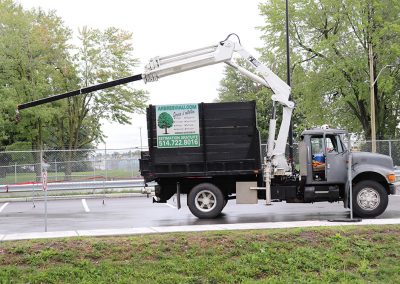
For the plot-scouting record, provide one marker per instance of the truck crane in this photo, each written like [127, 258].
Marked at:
[219, 156]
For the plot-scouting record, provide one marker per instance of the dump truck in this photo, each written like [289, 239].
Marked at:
[212, 151]
[225, 162]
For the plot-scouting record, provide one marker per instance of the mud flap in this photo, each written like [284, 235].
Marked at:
[178, 195]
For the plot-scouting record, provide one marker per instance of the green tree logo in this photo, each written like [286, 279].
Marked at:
[165, 121]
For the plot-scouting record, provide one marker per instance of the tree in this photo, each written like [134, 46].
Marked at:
[33, 54]
[165, 121]
[36, 61]
[102, 56]
[330, 53]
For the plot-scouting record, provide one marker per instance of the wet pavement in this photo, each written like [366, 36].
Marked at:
[136, 212]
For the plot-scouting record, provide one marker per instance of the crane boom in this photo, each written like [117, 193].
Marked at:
[81, 91]
[223, 52]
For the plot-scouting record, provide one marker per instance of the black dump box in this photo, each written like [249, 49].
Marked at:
[201, 140]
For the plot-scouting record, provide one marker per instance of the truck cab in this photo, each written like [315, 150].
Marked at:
[324, 171]
[323, 156]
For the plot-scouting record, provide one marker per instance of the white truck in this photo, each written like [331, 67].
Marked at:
[219, 157]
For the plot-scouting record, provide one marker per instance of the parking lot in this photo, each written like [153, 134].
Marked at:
[134, 212]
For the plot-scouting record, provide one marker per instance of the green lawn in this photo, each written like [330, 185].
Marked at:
[368, 254]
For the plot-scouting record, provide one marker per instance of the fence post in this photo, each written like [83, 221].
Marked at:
[390, 148]
[43, 180]
[132, 162]
[105, 168]
[94, 166]
[41, 164]
[55, 166]
[105, 161]
[15, 172]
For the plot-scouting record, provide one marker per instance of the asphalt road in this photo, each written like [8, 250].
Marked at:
[133, 212]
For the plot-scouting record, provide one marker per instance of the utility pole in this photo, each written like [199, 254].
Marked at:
[372, 90]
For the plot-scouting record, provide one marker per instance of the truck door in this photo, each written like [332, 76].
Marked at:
[335, 160]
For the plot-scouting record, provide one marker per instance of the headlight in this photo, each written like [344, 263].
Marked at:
[391, 178]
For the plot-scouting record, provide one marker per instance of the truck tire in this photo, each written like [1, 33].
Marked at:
[206, 201]
[370, 199]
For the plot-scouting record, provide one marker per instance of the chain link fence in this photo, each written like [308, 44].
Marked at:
[24, 167]
[386, 147]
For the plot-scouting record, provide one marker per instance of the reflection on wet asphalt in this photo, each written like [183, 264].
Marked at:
[23, 217]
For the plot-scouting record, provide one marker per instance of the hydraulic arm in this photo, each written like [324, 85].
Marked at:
[224, 51]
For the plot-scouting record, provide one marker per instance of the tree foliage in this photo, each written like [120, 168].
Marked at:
[33, 51]
[329, 42]
[329, 63]
[102, 56]
[37, 60]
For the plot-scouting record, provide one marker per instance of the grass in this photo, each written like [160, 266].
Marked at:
[312, 255]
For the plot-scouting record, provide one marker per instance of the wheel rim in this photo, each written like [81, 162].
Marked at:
[205, 201]
[368, 199]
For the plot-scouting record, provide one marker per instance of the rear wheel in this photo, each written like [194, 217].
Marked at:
[206, 201]
[370, 199]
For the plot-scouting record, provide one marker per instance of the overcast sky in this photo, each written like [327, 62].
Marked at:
[163, 28]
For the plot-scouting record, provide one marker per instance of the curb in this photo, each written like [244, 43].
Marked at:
[191, 228]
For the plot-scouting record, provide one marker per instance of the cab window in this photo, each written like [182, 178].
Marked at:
[333, 144]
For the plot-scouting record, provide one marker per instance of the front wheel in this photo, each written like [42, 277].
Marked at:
[206, 201]
[370, 199]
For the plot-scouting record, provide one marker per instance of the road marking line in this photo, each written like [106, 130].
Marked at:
[85, 205]
[4, 206]
[172, 206]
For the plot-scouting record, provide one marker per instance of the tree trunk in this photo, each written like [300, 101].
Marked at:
[37, 166]
[68, 165]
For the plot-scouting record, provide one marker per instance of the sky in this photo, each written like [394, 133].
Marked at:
[163, 28]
